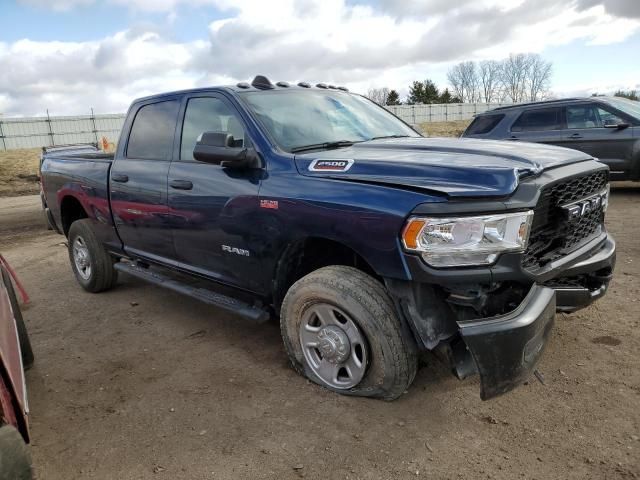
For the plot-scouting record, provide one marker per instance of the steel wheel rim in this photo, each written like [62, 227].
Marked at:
[334, 347]
[81, 258]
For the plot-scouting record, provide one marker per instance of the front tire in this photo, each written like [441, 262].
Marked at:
[91, 263]
[341, 330]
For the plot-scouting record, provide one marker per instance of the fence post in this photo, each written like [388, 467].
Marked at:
[95, 129]
[53, 142]
[4, 144]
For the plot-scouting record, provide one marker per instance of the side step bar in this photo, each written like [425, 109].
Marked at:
[229, 304]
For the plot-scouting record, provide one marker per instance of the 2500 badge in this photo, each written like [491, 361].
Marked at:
[320, 165]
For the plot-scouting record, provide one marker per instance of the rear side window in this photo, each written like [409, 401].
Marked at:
[152, 132]
[539, 119]
[483, 124]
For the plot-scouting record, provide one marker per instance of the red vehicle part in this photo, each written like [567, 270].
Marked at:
[12, 273]
[13, 398]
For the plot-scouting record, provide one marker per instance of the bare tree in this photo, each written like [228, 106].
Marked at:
[538, 77]
[489, 73]
[513, 76]
[464, 81]
[379, 95]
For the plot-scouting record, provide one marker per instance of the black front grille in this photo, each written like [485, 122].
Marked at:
[552, 236]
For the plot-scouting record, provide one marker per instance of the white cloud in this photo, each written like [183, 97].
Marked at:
[360, 46]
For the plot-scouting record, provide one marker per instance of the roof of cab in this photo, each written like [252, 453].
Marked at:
[259, 83]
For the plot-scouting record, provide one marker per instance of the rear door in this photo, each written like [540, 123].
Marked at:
[138, 181]
[586, 132]
[213, 208]
[540, 125]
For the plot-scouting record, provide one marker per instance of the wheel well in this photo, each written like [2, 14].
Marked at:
[305, 256]
[71, 210]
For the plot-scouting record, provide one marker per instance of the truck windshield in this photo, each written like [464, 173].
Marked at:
[301, 120]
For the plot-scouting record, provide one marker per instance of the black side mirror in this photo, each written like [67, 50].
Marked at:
[220, 148]
[614, 123]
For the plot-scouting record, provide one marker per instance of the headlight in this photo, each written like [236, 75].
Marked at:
[463, 241]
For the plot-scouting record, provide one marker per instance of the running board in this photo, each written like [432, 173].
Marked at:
[229, 304]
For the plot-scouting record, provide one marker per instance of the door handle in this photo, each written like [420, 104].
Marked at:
[513, 137]
[181, 184]
[119, 177]
[575, 135]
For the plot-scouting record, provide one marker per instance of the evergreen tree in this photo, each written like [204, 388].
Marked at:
[393, 98]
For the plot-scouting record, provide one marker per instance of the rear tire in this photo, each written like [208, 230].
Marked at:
[15, 459]
[23, 336]
[356, 325]
[92, 265]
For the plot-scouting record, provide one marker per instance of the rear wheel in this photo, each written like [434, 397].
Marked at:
[23, 336]
[341, 330]
[15, 460]
[91, 263]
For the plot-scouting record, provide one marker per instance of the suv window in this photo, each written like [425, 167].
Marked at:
[483, 124]
[539, 119]
[152, 132]
[208, 114]
[589, 116]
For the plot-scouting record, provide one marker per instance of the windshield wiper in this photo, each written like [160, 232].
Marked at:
[325, 145]
[389, 136]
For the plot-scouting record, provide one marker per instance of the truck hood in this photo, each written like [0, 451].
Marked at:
[455, 167]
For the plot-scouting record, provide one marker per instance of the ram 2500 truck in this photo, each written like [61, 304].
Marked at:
[370, 242]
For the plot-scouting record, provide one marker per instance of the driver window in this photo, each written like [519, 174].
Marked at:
[584, 116]
[608, 117]
[207, 114]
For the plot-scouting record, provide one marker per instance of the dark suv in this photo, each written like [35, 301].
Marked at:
[607, 128]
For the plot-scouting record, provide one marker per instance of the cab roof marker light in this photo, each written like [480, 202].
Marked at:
[263, 83]
[321, 85]
[304, 84]
[283, 84]
[243, 85]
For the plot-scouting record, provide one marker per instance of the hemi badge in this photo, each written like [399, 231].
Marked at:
[325, 165]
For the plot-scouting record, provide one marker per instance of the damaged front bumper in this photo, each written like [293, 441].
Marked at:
[506, 348]
[503, 349]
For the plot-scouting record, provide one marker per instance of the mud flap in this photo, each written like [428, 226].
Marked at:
[506, 349]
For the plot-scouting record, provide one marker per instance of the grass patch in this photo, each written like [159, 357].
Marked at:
[444, 129]
[19, 172]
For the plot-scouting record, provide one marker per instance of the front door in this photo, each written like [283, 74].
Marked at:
[138, 182]
[586, 132]
[213, 208]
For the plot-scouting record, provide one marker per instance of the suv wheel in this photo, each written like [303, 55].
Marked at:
[91, 263]
[341, 330]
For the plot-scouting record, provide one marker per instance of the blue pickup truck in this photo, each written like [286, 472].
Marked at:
[370, 243]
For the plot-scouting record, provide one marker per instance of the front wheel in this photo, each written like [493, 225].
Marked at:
[341, 330]
[91, 263]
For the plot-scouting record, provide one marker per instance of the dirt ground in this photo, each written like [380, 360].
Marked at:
[139, 383]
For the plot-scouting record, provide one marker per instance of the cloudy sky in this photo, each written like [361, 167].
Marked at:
[71, 55]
